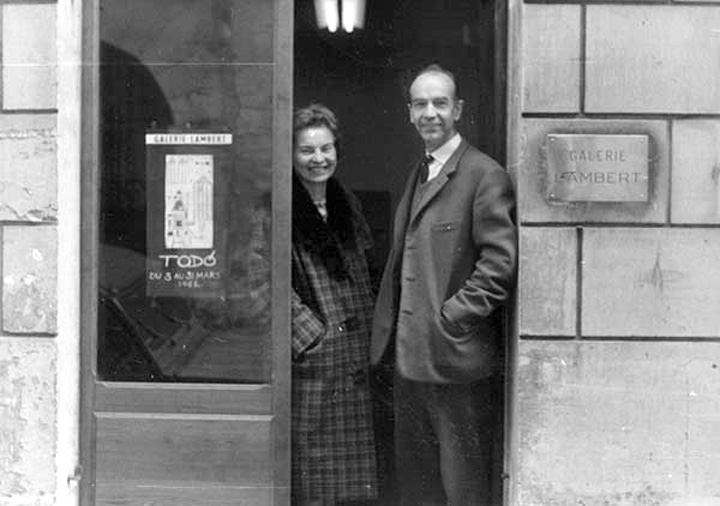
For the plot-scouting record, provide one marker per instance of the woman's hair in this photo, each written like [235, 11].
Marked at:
[316, 115]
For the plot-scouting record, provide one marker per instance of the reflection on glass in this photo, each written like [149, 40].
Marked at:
[183, 293]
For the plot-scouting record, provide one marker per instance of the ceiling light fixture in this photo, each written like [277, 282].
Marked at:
[345, 14]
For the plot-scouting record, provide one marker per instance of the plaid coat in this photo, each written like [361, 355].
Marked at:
[333, 450]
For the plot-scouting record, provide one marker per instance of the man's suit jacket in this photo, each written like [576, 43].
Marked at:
[454, 257]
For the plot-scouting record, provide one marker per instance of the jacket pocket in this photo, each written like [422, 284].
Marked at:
[445, 226]
[464, 356]
[454, 331]
[445, 241]
[304, 362]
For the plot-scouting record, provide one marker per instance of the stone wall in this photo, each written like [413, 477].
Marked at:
[618, 366]
[28, 234]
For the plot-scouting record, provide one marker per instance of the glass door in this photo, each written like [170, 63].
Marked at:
[186, 314]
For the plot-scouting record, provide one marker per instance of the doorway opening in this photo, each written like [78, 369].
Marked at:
[363, 76]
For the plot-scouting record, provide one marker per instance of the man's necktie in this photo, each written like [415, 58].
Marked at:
[424, 167]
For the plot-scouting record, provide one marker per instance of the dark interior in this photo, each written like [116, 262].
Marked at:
[363, 76]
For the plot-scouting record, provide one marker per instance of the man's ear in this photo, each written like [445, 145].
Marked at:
[458, 108]
[409, 106]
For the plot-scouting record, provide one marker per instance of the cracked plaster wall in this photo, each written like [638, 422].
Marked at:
[28, 237]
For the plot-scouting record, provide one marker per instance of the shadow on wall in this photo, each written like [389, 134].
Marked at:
[131, 102]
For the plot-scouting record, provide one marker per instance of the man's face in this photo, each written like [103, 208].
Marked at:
[434, 109]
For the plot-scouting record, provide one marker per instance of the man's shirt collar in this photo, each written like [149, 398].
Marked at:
[442, 155]
[444, 152]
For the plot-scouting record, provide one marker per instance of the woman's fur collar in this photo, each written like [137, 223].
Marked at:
[321, 237]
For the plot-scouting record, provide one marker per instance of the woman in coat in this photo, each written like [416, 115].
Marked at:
[333, 450]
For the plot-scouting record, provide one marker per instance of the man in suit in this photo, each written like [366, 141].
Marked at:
[438, 318]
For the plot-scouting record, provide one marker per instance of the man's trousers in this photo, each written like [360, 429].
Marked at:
[444, 436]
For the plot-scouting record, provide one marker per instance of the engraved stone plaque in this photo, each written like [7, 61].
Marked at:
[597, 168]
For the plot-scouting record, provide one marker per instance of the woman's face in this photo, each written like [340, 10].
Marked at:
[314, 157]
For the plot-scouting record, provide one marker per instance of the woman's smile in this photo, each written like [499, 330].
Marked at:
[315, 157]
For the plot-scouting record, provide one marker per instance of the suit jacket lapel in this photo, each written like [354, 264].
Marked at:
[402, 214]
[438, 182]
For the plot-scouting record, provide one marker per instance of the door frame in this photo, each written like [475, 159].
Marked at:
[508, 22]
[510, 30]
[279, 397]
[89, 241]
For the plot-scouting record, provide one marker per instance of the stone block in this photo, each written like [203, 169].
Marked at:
[28, 167]
[30, 280]
[620, 423]
[696, 171]
[551, 58]
[27, 418]
[29, 56]
[651, 282]
[548, 280]
[533, 204]
[652, 59]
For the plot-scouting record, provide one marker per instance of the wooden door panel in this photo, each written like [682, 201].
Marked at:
[181, 494]
[162, 448]
[184, 398]
[212, 427]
